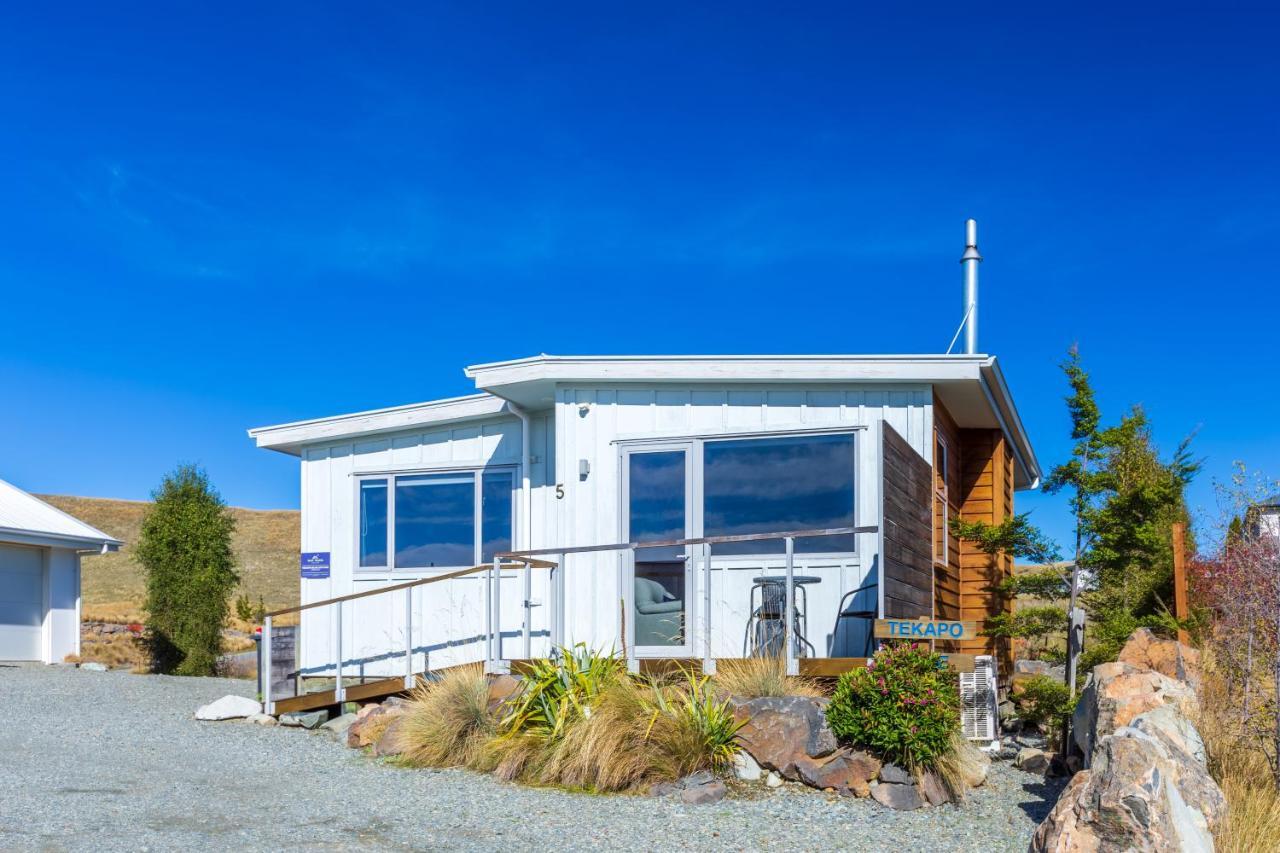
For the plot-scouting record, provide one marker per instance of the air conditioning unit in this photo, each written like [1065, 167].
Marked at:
[978, 714]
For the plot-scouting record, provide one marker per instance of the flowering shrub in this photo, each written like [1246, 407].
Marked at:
[904, 706]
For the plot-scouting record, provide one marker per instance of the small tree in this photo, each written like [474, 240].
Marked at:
[185, 548]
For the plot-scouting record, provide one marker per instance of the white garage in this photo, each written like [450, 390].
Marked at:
[40, 549]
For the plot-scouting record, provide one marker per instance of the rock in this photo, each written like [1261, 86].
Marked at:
[661, 789]
[262, 719]
[369, 725]
[1032, 760]
[974, 772]
[773, 780]
[932, 789]
[229, 708]
[395, 702]
[896, 775]
[1132, 798]
[903, 798]
[338, 725]
[745, 767]
[94, 666]
[390, 742]
[1175, 729]
[502, 688]
[1118, 692]
[846, 772]
[780, 731]
[1165, 656]
[712, 792]
[700, 777]
[1023, 669]
[305, 719]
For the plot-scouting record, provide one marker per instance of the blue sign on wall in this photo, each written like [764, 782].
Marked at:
[315, 564]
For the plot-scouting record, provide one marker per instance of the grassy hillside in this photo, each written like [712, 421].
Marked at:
[113, 586]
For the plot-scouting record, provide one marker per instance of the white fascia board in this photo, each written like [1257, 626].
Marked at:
[291, 437]
[724, 368]
[58, 540]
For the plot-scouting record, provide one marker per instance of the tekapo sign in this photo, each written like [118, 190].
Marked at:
[315, 564]
[925, 629]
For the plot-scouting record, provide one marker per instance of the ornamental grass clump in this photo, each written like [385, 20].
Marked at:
[447, 722]
[763, 676]
[904, 706]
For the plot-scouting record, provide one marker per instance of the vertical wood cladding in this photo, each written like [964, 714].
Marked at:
[907, 560]
[986, 495]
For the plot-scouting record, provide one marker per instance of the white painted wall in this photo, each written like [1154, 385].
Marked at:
[591, 511]
[449, 617]
[62, 619]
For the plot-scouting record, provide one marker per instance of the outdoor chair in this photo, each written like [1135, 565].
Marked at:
[849, 610]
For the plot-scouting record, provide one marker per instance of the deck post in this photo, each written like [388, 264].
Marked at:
[788, 631]
[338, 693]
[408, 638]
[528, 611]
[708, 662]
[268, 707]
[488, 619]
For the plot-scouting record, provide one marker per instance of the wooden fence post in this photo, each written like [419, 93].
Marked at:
[1180, 578]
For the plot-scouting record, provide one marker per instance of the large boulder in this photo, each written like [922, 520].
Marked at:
[229, 708]
[1167, 657]
[1138, 795]
[1117, 693]
[390, 742]
[784, 732]
[847, 772]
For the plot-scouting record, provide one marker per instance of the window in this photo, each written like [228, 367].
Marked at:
[771, 485]
[429, 521]
[941, 500]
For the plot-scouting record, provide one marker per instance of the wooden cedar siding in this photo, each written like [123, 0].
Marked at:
[946, 575]
[986, 495]
[908, 565]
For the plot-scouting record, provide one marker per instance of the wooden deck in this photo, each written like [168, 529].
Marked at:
[373, 691]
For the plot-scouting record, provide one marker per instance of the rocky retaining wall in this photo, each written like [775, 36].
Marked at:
[1145, 785]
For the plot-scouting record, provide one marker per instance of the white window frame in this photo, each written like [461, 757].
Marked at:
[942, 496]
[695, 445]
[477, 473]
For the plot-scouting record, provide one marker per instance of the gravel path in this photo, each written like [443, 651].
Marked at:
[112, 761]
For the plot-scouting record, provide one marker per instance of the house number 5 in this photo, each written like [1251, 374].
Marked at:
[559, 491]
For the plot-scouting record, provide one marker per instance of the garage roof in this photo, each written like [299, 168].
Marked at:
[28, 520]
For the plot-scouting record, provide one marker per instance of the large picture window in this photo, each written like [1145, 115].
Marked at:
[771, 485]
[428, 521]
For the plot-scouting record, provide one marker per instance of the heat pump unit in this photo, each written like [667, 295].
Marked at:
[978, 697]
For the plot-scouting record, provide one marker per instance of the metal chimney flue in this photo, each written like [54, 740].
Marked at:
[969, 261]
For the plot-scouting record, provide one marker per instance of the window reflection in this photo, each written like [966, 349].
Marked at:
[771, 485]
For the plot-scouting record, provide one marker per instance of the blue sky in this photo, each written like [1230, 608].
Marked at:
[221, 217]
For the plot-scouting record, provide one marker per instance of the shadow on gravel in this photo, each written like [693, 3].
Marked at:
[1045, 794]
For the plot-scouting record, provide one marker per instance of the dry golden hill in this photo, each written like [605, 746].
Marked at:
[113, 585]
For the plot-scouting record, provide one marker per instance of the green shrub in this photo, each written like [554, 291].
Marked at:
[185, 548]
[559, 690]
[1044, 701]
[904, 706]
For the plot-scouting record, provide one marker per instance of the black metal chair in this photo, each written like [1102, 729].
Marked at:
[765, 624]
[846, 612]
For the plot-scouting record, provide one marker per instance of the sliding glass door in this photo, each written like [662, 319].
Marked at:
[657, 486]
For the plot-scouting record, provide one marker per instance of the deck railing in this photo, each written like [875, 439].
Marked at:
[494, 658]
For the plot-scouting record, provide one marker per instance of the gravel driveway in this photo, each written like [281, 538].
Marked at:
[113, 761]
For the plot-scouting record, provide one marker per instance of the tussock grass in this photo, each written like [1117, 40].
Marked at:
[581, 722]
[961, 761]
[757, 677]
[447, 722]
[1239, 764]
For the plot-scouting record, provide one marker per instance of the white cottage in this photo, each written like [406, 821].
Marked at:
[559, 455]
[40, 548]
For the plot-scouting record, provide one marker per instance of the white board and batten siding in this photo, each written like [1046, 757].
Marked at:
[595, 421]
[448, 617]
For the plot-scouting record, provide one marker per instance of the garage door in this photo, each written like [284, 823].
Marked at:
[21, 602]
